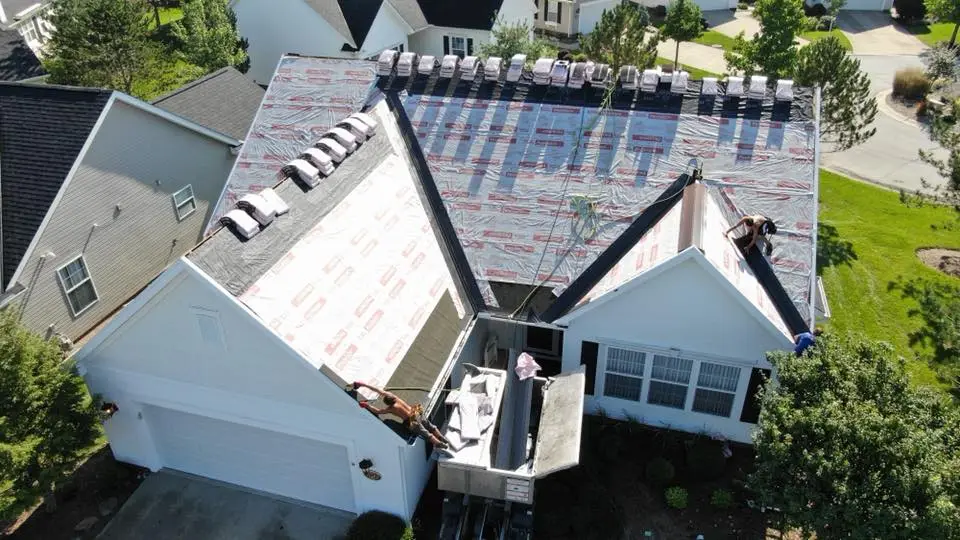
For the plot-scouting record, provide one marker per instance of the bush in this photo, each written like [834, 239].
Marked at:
[810, 24]
[743, 6]
[824, 22]
[909, 11]
[941, 62]
[376, 525]
[660, 472]
[816, 10]
[580, 57]
[911, 83]
[676, 497]
[705, 460]
[721, 498]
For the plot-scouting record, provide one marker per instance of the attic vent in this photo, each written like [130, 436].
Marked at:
[734, 86]
[320, 160]
[628, 77]
[332, 148]
[561, 70]
[386, 61]
[598, 73]
[258, 208]
[406, 64]
[344, 137]
[449, 65]
[279, 205]
[578, 75]
[469, 68]
[709, 87]
[366, 119]
[758, 87]
[356, 128]
[678, 84]
[541, 71]
[307, 173]
[241, 221]
[427, 64]
[515, 71]
[784, 90]
[649, 80]
[491, 70]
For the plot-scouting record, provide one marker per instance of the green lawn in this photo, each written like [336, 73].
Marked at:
[931, 34]
[877, 235]
[712, 37]
[813, 36]
[695, 73]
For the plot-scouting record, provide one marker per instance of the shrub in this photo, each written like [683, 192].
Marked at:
[909, 11]
[660, 472]
[743, 6]
[810, 23]
[376, 525]
[816, 10]
[825, 22]
[705, 459]
[941, 62]
[910, 83]
[580, 57]
[676, 497]
[721, 498]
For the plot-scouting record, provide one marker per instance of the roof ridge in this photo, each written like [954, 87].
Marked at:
[193, 84]
[58, 87]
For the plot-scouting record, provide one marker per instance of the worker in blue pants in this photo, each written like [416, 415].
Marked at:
[805, 340]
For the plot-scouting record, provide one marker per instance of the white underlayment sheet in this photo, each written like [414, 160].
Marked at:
[523, 181]
[302, 102]
[356, 290]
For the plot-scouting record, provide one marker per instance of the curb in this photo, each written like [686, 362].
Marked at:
[887, 110]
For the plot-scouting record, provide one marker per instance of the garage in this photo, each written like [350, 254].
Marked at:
[265, 460]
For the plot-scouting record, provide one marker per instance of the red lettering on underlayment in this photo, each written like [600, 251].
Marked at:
[565, 110]
[388, 275]
[473, 244]
[412, 245]
[498, 273]
[514, 210]
[363, 306]
[648, 149]
[417, 317]
[455, 194]
[373, 320]
[347, 356]
[302, 295]
[545, 142]
[663, 116]
[501, 197]
[418, 260]
[793, 184]
[466, 206]
[456, 136]
[518, 248]
[598, 146]
[437, 286]
[550, 131]
[476, 104]
[497, 234]
[335, 342]
[397, 288]
[485, 161]
[502, 138]
[395, 351]
[458, 125]
[651, 138]
[345, 275]
[332, 264]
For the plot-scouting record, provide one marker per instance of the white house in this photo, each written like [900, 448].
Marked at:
[28, 17]
[361, 29]
[465, 231]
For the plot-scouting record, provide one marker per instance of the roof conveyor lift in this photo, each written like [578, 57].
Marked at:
[488, 484]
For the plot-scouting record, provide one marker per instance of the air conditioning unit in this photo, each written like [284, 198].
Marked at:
[241, 221]
[628, 77]
[258, 208]
[386, 61]
[320, 160]
[560, 73]
[278, 204]
[709, 86]
[469, 68]
[734, 86]
[650, 80]
[366, 119]
[515, 71]
[449, 65]
[784, 90]
[678, 82]
[758, 87]
[491, 70]
[578, 75]
[332, 148]
[406, 64]
[357, 128]
[307, 173]
[427, 65]
[541, 71]
[344, 137]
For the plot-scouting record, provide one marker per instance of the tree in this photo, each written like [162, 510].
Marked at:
[100, 43]
[833, 10]
[208, 31]
[847, 447]
[945, 11]
[47, 416]
[945, 132]
[847, 105]
[514, 38]
[682, 24]
[772, 52]
[620, 39]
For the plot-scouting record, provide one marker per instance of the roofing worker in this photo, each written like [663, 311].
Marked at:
[806, 340]
[758, 227]
[413, 418]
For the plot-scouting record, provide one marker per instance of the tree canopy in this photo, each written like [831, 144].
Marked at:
[47, 418]
[620, 38]
[848, 108]
[772, 52]
[682, 24]
[208, 31]
[847, 447]
[945, 11]
[508, 39]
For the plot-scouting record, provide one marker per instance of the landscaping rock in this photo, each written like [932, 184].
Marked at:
[86, 524]
[108, 506]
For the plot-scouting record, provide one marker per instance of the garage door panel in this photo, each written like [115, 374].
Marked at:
[269, 461]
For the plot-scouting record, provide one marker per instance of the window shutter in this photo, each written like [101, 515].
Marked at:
[546, 7]
[588, 357]
[469, 46]
[751, 405]
[559, 12]
[446, 45]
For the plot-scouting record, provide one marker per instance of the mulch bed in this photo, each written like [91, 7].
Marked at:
[944, 260]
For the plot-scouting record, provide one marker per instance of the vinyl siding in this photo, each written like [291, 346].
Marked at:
[123, 249]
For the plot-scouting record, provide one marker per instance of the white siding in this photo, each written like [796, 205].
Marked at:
[590, 13]
[517, 11]
[430, 40]
[387, 31]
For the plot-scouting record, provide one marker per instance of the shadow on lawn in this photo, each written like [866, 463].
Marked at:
[831, 249]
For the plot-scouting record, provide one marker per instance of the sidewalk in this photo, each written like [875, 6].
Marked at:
[694, 54]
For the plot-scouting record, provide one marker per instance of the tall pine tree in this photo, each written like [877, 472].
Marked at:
[208, 31]
[682, 24]
[772, 52]
[620, 38]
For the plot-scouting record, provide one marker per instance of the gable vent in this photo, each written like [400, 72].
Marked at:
[258, 208]
[241, 222]
[386, 61]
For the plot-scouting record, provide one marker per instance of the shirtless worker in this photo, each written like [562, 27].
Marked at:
[758, 227]
[412, 417]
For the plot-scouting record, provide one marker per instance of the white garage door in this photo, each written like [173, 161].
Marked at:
[864, 5]
[274, 462]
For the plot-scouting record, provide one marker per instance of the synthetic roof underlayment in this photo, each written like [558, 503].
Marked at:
[305, 98]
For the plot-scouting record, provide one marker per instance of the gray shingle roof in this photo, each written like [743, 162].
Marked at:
[17, 61]
[12, 7]
[224, 101]
[410, 11]
[42, 130]
[330, 11]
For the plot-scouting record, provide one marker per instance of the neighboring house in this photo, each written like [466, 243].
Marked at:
[224, 101]
[100, 193]
[27, 17]
[364, 28]
[17, 61]
[466, 230]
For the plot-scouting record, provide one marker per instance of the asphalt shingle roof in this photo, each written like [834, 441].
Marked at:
[42, 130]
[17, 60]
[330, 11]
[224, 101]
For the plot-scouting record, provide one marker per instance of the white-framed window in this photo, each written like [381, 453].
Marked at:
[624, 373]
[77, 285]
[184, 202]
[669, 380]
[29, 33]
[398, 48]
[716, 389]
[553, 11]
[458, 46]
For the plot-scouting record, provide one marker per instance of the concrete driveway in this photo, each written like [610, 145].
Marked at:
[172, 505]
[732, 23]
[874, 32]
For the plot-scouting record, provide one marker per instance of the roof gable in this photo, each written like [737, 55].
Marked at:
[225, 101]
[359, 15]
[17, 61]
[42, 132]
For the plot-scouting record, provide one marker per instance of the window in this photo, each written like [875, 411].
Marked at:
[77, 285]
[552, 11]
[184, 202]
[398, 48]
[458, 46]
[716, 389]
[624, 376]
[589, 350]
[668, 381]
[30, 34]
[751, 406]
